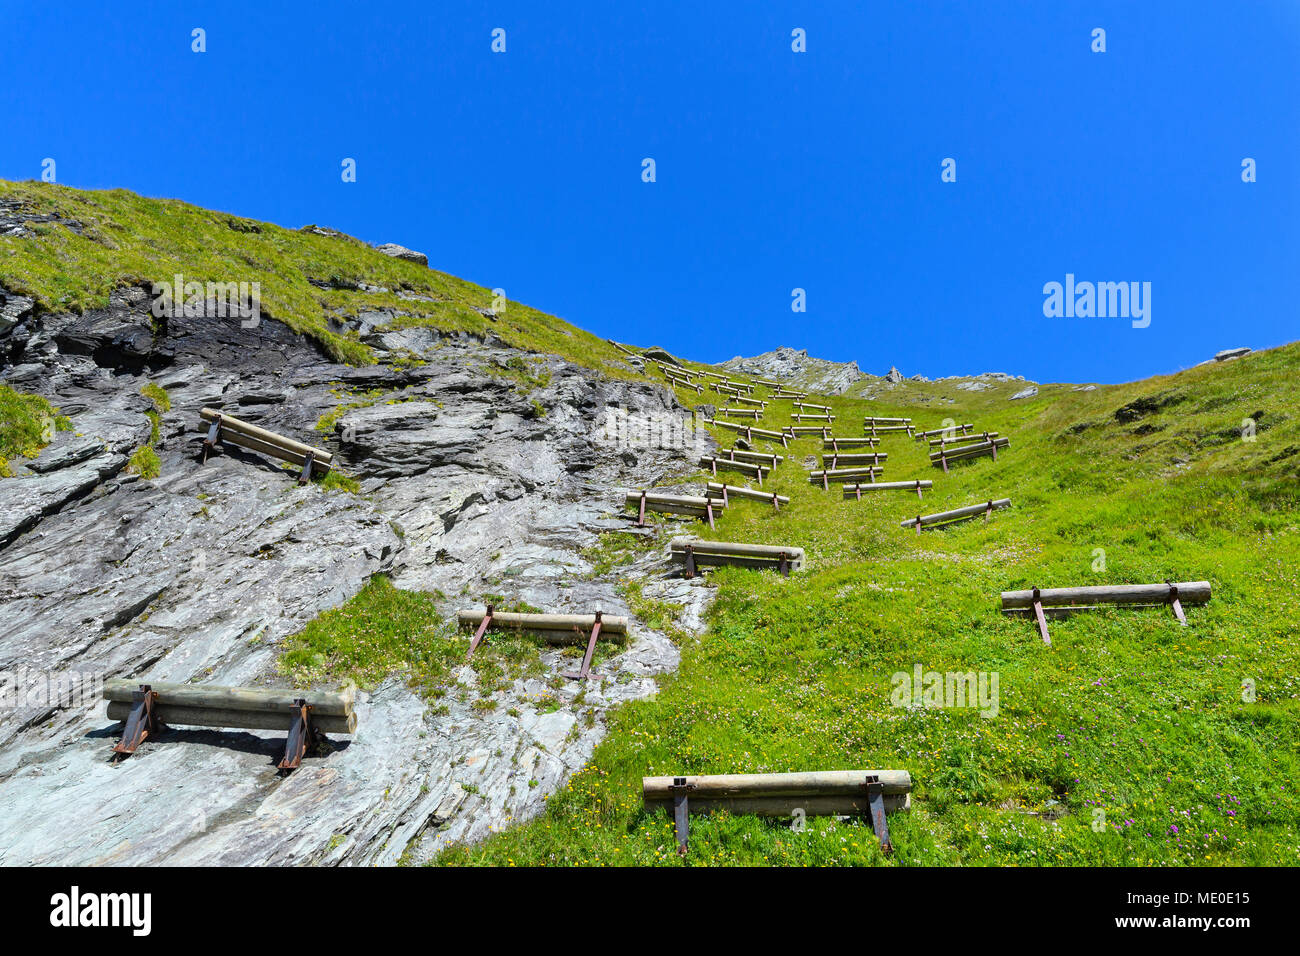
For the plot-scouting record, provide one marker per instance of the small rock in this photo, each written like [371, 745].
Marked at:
[1029, 392]
[659, 355]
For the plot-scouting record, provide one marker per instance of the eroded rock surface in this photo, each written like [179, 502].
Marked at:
[469, 481]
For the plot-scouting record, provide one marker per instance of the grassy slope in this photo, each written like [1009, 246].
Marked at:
[131, 239]
[1126, 712]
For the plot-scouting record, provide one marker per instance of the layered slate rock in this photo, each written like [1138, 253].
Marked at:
[201, 574]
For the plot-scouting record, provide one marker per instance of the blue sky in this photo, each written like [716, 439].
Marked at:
[775, 170]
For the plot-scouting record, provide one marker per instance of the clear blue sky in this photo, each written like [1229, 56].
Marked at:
[775, 169]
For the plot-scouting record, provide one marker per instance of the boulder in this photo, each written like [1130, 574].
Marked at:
[401, 252]
[893, 375]
[1029, 392]
[1230, 354]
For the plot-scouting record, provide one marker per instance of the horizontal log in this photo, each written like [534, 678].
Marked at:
[751, 401]
[850, 491]
[231, 424]
[836, 806]
[728, 464]
[560, 623]
[969, 511]
[1189, 592]
[767, 384]
[820, 408]
[888, 428]
[715, 491]
[876, 419]
[813, 418]
[982, 448]
[822, 783]
[755, 457]
[754, 413]
[833, 443]
[745, 429]
[795, 430]
[955, 429]
[688, 505]
[834, 473]
[177, 716]
[212, 697]
[250, 443]
[737, 548]
[863, 458]
[981, 437]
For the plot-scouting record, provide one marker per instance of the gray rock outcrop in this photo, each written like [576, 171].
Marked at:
[201, 574]
[797, 367]
[401, 252]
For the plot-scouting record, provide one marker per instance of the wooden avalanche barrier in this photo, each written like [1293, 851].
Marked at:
[825, 477]
[852, 458]
[553, 628]
[802, 406]
[226, 429]
[1042, 603]
[813, 417]
[724, 492]
[855, 490]
[982, 437]
[877, 420]
[757, 402]
[690, 506]
[145, 707]
[714, 464]
[965, 452]
[754, 413]
[756, 457]
[957, 514]
[694, 554]
[749, 431]
[794, 431]
[873, 429]
[832, 443]
[954, 430]
[869, 793]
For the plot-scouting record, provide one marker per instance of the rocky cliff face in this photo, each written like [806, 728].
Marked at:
[200, 574]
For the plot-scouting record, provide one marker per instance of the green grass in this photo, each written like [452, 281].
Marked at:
[129, 239]
[27, 424]
[1126, 712]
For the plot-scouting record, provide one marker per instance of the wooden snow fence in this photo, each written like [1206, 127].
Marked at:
[690, 506]
[724, 492]
[944, 455]
[794, 431]
[749, 431]
[944, 518]
[953, 430]
[227, 430]
[695, 553]
[981, 437]
[868, 793]
[146, 706]
[715, 463]
[1042, 603]
[754, 413]
[803, 406]
[833, 443]
[828, 476]
[855, 490]
[836, 458]
[872, 429]
[756, 402]
[813, 417]
[552, 628]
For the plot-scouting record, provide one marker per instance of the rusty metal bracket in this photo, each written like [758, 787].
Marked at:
[988, 510]
[776, 504]
[876, 802]
[708, 510]
[918, 487]
[306, 468]
[478, 635]
[141, 723]
[302, 734]
[680, 790]
[783, 565]
[918, 526]
[1176, 604]
[640, 515]
[943, 460]
[1038, 613]
[585, 669]
[209, 443]
[994, 448]
[690, 561]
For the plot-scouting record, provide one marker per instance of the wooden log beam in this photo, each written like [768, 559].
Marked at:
[754, 413]
[212, 697]
[240, 427]
[821, 783]
[969, 511]
[835, 806]
[966, 451]
[715, 489]
[714, 463]
[689, 505]
[955, 429]
[887, 428]
[545, 624]
[851, 491]
[834, 474]
[177, 716]
[982, 437]
[756, 457]
[1189, 592]
[832, 443]
[877, 420]
[745, 429]
[863, 458]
